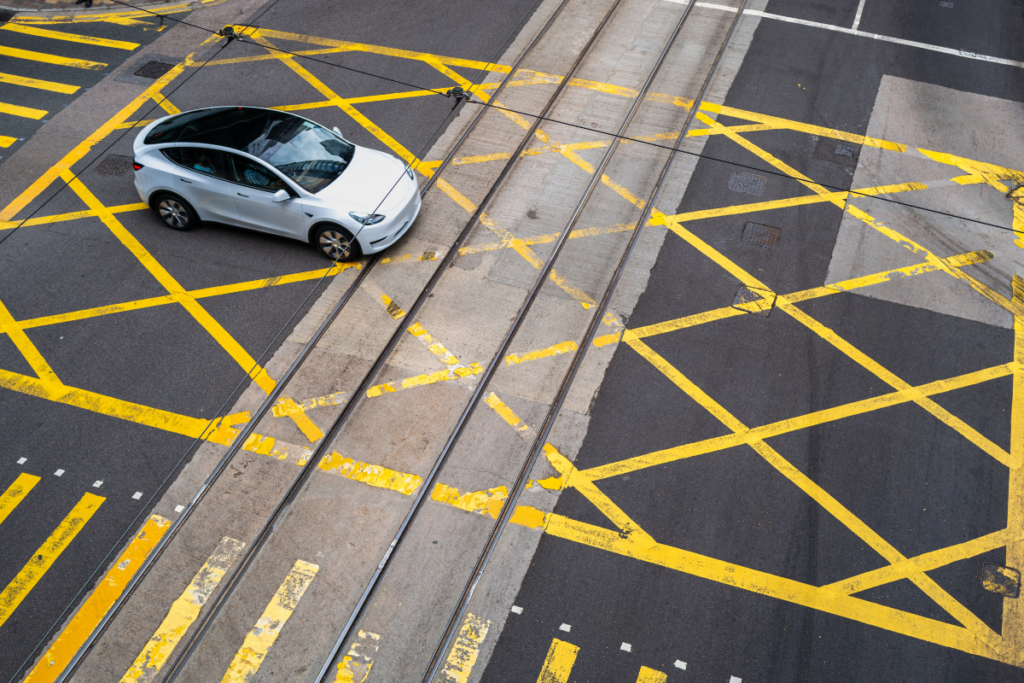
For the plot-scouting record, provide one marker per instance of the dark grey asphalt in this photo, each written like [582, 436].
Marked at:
[913, 480]
[161, 357]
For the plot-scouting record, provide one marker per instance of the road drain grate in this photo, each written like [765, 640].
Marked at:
[762, 235]
[1003, 581]
[748, 183]
[114, 164]
[754, 300]
[154, 70]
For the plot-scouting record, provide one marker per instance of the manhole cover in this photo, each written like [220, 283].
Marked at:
[762, 235]
[1000, 580]
[845, 150]
[748, 183]
[754, 300]
[114, 164]
[841, 152]
[6, 16]
[154, 69]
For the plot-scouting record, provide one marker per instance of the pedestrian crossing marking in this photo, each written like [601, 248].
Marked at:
[43, 558]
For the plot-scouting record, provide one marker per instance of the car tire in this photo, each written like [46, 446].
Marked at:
[175, 212]
[336, 243]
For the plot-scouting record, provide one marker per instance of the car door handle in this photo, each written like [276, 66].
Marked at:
[185, 181]
[243, 195]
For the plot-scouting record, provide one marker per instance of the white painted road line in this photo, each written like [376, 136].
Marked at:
[565, 627]
[680, 664]
[137, 495]
[626, 647]
[862, 34]
[22, 461]
[58, 473]
[517, 609]
[856, 19]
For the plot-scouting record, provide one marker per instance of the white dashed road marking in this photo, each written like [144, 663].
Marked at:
[137, 495]
[517, 609]
[626, 647]
[58, 473]
[22, 461]
[680, 664]
[98, 483]
[564, 627]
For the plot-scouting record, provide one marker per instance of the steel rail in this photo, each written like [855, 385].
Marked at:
[509, 506]
[177, 665]
[267, 404]
[491, 368]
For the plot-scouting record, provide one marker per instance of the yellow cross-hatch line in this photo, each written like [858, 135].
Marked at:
[16, 493]
[56, 60]
[69, 37]
[38, 84]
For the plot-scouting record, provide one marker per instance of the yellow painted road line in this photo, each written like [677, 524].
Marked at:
[209, 323]
[72, 216]
[43, 558]
[558, 663]
[23, 112]
[37, 83]
[1013, 611]
[762, 583]
[165, 104]
[840, 512]
[465, 651]
[435, 347]
[16, 493]
[69, 37]
[286, 408]
[301, 420]
[487, 502]
[261, 638]
[57, 60]
[650, 676]
[356, 665]
[372, 475]
[35, 359]
[88, 616]
[506, 413]
[6, 141]
[554, 350]
[183, 612]
[792, 424]
[83, 148]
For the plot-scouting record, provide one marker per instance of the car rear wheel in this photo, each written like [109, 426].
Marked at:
[336, 243]
[176, 212]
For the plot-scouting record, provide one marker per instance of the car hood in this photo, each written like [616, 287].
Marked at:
[367, 182]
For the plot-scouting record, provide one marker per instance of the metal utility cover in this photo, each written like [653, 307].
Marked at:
[114, 164]
[762, 235]
[154, 70]
[748, 183]
[841, 152]
[1003, 581]
[754, 300]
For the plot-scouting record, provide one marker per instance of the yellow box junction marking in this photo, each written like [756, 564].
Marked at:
[558, 663]
[647, 675]
[463, 655]
[261, 638]
[183, 612]
[16, 493]
[88, 616]
[43, 558]
[372, 475]
[355, 666]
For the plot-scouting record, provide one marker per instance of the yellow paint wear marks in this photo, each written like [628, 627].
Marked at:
[650, 676]
[44, 557]
[769, 585]
[15, 493]
[1013, 611]
[281, 409]
[530, 517]
[465, 650]
[791, 424]
[819, 495]
[453, 372]
[425, 256]
[506, 413]
[487, 502]
[259, 640]
[83, 148]
[222, 429]
[214, 328]
[74, 635]
[69, 37]
[57, 60]
[372, 475]
[554, 350]
[37, 83]
[437, 348]
[35, 359]
[924, 563]
[356, 665]
[23, 112]
[183, 612]
[6, 141]
[558, 663]
[301, 420]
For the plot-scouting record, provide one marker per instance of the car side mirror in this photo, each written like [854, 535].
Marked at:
[282, 196]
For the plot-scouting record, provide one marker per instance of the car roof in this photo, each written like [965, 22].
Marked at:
[247, 129]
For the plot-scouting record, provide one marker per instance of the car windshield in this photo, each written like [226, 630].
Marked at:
[308, 154]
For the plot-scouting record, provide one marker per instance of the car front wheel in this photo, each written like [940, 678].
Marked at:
[336, 243]
[176, 212]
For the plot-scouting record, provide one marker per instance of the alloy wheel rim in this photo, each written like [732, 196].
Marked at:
[335, 245]
[173, 213]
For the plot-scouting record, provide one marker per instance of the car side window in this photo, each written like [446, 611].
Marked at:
[209, 161]
[250, 173]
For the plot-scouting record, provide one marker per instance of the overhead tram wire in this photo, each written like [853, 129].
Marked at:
[268, 403]
[491, 367]
[509, 505]
[699, 155]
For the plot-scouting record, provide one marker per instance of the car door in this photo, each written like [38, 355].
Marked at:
[203, 178]
[254, 200]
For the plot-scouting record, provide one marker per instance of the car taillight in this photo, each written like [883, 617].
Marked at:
[136, 165]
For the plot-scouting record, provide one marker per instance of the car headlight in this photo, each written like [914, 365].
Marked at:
[367, 218]
[409, 172]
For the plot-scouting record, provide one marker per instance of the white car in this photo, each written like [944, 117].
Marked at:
[274, 172]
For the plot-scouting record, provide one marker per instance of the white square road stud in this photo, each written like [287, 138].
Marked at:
[98, 483]
[179, 508]
[58, 473]
[22, 461]
[680, 664]
[565, 627]
[137, 495]
[626, 647]
[517, 609]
